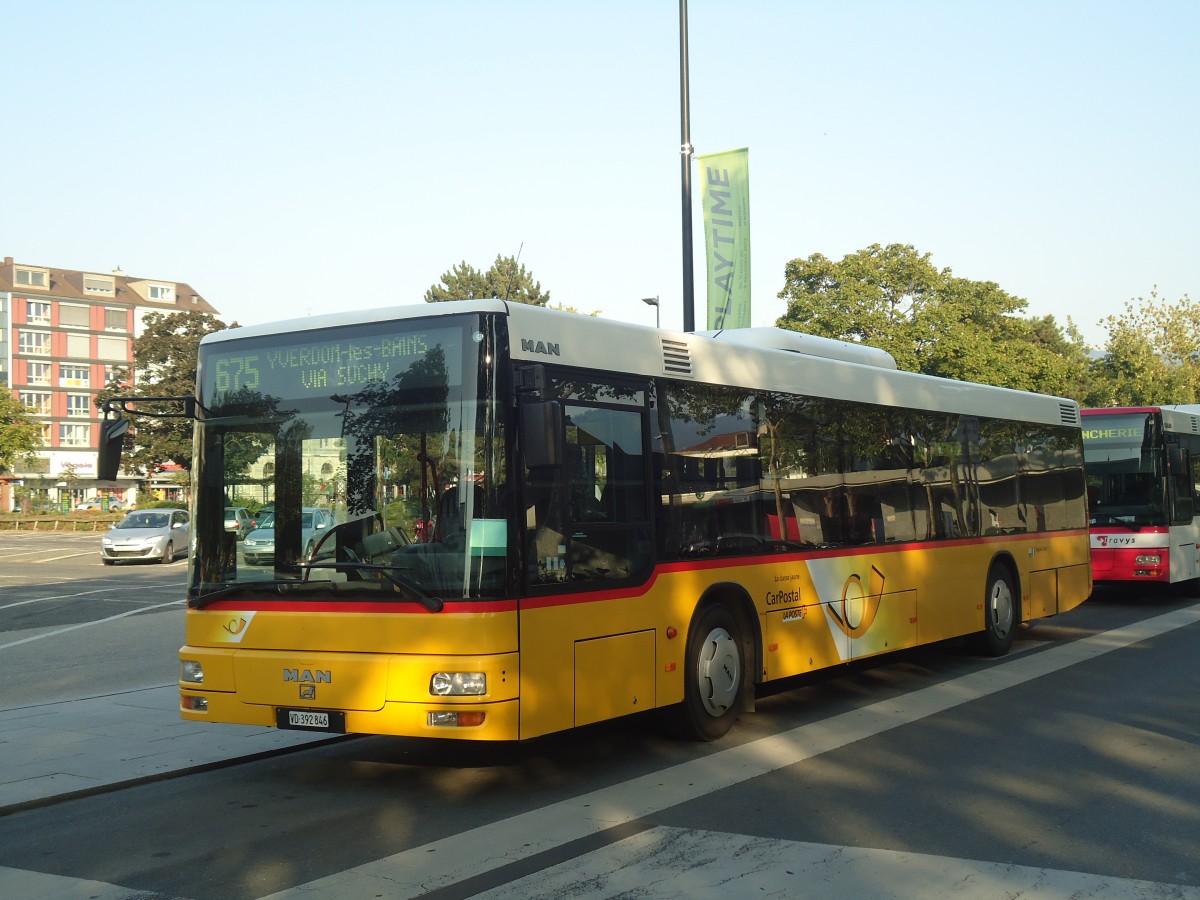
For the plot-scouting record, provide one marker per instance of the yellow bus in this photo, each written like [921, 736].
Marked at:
[533, 520]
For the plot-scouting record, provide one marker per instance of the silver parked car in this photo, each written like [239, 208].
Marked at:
[258, 548]
[154, 534]
[238, 521]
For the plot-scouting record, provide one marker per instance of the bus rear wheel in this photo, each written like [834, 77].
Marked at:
[999, 613]
[715, 671]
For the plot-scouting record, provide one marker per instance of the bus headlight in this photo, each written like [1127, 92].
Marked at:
[458, 684]
[191, 671]
[1147, 559]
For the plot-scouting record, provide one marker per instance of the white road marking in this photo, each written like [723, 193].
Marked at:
[71, 556]
[668, 863]
[419, 870]
[48, 634]
[63, 597]
[22, 883]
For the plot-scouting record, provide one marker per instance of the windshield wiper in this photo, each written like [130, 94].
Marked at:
[433, 604]
[278, 588]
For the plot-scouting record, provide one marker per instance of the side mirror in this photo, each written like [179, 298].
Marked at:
[542, 424]
[112, 436]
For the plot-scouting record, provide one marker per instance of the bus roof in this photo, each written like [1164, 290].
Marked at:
[1179, 418]
[759, 358]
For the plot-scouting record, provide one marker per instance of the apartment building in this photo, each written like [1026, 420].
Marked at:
[62, 334]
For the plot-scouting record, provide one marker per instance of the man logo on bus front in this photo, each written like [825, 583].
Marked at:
[308, 692]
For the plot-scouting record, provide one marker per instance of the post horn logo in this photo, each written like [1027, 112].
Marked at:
[857, 609]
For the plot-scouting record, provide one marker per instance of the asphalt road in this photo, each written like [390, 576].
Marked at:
[71, 627]
[1069, 768]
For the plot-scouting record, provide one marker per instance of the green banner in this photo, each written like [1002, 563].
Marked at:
[725, 179]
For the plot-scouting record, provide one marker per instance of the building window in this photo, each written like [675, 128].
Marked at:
[79, 406]
[39, 373]
[79, 346]
[45, 443]
[71, 376]
[98, 284]
[115, 319]
[72, 316]
[161, 292]
[37, 312]
[36, 343]
[35, 402]
[112, 348]
[34, 278]
[74, 435]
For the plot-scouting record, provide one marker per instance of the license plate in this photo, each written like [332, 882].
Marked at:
[311, 720]
[308, 719]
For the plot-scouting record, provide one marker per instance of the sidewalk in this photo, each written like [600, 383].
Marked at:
[87, 746]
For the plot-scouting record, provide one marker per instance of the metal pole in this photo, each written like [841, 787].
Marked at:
[685, 151]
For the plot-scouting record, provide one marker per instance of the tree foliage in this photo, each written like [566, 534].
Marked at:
[931, 321]
[20, 435]
[1152, 356]
[165, 366]
[506, 279]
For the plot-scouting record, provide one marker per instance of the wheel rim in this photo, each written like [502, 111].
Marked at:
[169, 553]
[719, 672]
[1000, 608]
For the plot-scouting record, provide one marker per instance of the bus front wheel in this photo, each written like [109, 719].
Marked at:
[715, 670]
[999, 613]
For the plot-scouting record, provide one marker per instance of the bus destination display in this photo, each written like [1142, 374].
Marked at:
[324, 366]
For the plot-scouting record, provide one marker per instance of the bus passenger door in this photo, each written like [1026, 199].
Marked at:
[1185, 530]
[587, 648]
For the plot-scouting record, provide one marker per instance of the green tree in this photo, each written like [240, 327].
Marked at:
[506, 279]
[165, 366]
[930, 321]
[20, 435]
[1152, 355]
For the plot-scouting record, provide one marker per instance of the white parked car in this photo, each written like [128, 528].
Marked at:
[114, 505]
[147, 534]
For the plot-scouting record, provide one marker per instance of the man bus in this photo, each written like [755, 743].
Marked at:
[544, 520]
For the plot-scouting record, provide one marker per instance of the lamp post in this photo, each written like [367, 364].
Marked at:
[685, 158]
[653, 301]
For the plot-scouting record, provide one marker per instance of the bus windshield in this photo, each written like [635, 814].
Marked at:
[380, 449]
[1125, 473]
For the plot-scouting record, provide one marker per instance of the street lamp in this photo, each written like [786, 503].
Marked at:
[653, 301]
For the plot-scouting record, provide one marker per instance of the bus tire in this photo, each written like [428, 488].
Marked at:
[999, 613]
[716, 670]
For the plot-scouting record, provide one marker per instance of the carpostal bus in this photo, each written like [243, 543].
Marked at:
[542, 520]
[1143, 469]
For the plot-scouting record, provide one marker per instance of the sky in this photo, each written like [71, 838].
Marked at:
[301, 157]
